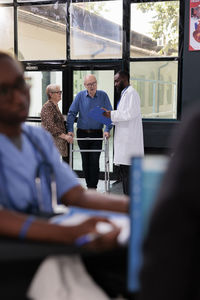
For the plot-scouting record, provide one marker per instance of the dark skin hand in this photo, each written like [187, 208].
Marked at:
[41, 230]
[106, 113]
[104, 241]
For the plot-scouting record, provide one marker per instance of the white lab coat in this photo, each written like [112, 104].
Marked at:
[128, 136]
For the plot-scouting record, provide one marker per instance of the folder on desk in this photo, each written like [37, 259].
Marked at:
[76, 215]
[97, 114]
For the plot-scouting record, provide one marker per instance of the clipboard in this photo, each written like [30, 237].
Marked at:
[97, 114]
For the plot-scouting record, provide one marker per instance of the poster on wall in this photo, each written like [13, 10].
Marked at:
[194, 30]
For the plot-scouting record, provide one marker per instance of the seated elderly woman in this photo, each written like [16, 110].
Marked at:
[53, 120]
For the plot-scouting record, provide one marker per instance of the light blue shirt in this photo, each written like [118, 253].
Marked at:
[18, 171]
[82, 104]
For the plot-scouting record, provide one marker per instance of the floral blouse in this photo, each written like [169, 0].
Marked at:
[53, 121]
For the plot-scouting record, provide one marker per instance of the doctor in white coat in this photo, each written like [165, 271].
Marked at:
[128, 137]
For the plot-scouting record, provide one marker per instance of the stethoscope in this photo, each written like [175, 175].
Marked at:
[45, 169]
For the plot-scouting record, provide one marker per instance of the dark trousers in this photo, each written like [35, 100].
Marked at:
[90, 160]
[124, 173]
[109, 271]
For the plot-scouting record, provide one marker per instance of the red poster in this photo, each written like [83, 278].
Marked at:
[194, 30]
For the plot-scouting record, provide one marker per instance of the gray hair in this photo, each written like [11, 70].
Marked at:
[51, 88]
[88, 76]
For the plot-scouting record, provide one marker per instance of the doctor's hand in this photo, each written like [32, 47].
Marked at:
[106, 112]
[94, 238]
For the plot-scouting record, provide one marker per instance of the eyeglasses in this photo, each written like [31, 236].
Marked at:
[6, 90]
[91, 84]
[58, 92]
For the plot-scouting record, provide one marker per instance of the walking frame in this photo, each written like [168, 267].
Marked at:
[104, 149]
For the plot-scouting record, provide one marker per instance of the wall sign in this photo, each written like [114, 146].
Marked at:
[194, 30]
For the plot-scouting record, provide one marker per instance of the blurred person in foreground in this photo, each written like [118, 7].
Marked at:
[171, 266]
[28, 157]
[53, 121]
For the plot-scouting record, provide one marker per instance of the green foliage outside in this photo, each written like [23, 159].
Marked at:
[165, 23]
[97, 8]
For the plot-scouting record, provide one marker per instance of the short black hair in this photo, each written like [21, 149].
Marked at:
[124, 74]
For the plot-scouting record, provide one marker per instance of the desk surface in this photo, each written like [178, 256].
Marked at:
[18, 250]
[13, 249]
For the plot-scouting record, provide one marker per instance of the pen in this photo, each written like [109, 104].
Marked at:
[86, 238]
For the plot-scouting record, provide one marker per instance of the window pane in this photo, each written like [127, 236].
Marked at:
[32, 0]
[96, 30]
[105, 82]
[39, 82]
[42, 32]
[6, 1]
[156, 83]
[7, 29]
[154, 29]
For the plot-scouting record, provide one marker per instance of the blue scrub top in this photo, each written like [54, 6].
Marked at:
[18, 171]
